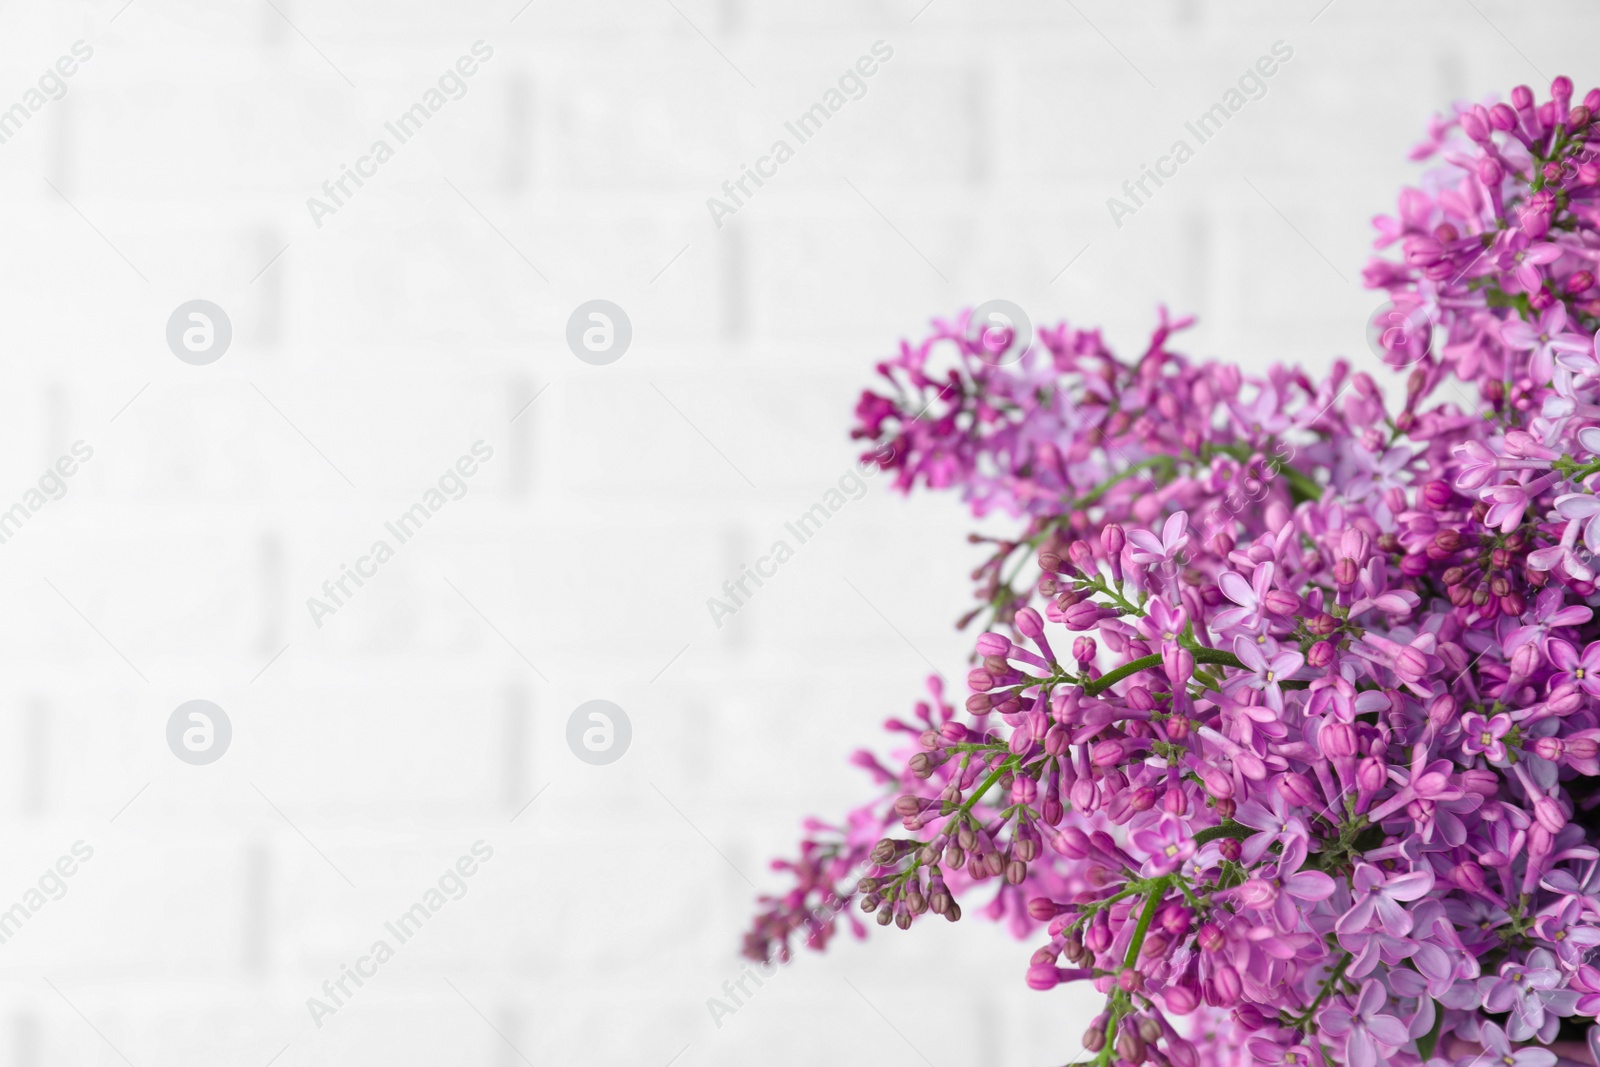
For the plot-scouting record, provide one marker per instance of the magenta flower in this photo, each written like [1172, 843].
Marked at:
[1379, 899]
[1532, 993]
[1163, 624]
[1368, 1032]
[1497, 1050]
[1265, 675]
[1147, 550]
[1582, 671]
[1249, 596]
[1548, 337]
[1479, 734]
[1167, 844]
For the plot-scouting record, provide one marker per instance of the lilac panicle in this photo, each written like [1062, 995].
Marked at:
[1319, 782]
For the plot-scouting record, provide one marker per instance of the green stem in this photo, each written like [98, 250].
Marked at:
[1201, 655]
[1152, 902]
[1332, 980]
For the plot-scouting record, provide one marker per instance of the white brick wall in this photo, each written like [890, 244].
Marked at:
[409, 326]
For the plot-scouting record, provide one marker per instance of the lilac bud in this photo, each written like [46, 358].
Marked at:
[1502, 118]
[1229, 987]
[1081, 616]
[1113, 540]
[1024, 790]
[1469, 876]
[1175, 801]
[954, 732]
[1217, 783]
[1094, 1038]
[1175, 919]
[1337, 740]
[1130, 1047]
[1345, 572]
[1056, 740]
[1082, 557]
[1209, 938]
[1029, 624]
[1371, 774]
[1297, 789]
[993, 644]
[1436, 495]
[1480, 780]
[1106, 753]
[1322, 624]
[1043, 976]
[1178, 663]
[1582, 748]
[1083, 650]
[1355, 544]
[980, 680]
[1549, 748]
[1281, 602]
[1442, 712]
[1320, 654]
[1043, 909]
[1549, 814]
[1142, 799]
[1180, 999]
[1229, 848]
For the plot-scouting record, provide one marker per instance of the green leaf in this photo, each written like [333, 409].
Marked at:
[1234, 830]
[1430, 1040]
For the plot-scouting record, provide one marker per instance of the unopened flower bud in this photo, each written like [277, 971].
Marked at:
[1209, 938]
[1083, 650]
[1175, 919]
[1150, 1030]
[1345, 572]
[1130, 1047]
[1229, 987]
[993, 644]
[1082, 557]
[1321, 654]
[1043, 909]
[1180, 999]
[1371, 774]
[1297, 789]
[1229, 848]
[1282, 602]
[1113, 540]
[1549, 748]
[1043, 976]
[1094, 1039]
[1437, 495]
[1337, 740]
[1549, 814]
[1082, 616]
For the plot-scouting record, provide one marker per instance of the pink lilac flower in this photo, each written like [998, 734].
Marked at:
[1317, 785]
[1369, 1033]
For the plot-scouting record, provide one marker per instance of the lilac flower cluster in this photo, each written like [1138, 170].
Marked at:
[1285, 731]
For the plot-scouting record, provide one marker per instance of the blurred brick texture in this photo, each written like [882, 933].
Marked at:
[423, 316]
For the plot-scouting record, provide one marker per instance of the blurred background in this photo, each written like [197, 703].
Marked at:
[381, 340]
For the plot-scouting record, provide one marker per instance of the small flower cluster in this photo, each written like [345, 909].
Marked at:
[1285, 729]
